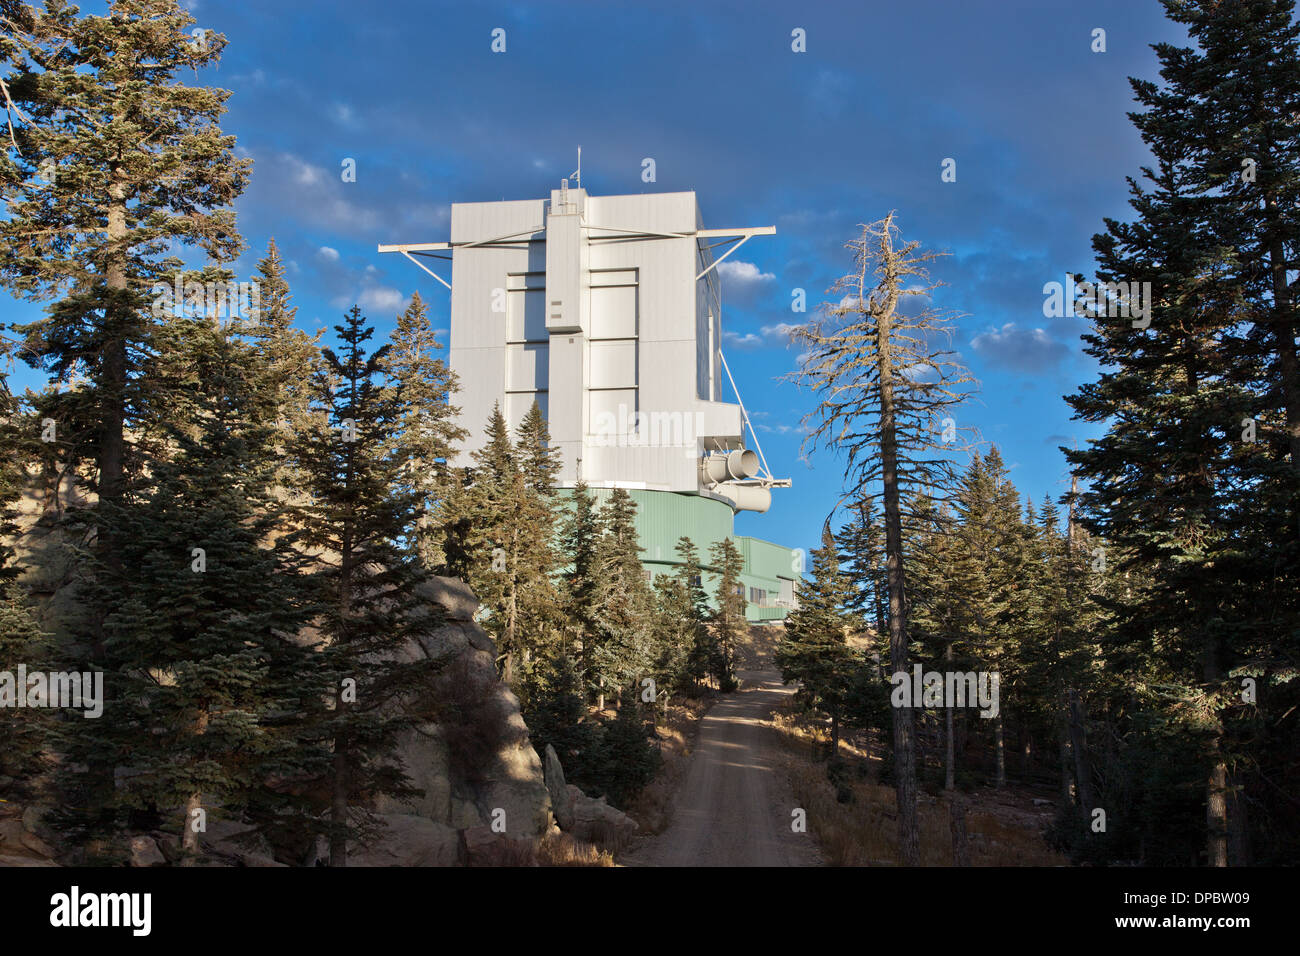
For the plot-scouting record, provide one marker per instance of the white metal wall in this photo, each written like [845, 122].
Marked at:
[596, 329]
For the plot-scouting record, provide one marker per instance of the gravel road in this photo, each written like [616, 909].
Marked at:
[734, 805]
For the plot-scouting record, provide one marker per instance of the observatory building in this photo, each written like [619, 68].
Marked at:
[606, 312]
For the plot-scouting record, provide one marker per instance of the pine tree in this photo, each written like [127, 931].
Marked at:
[428, 432]
[107, 134]
[628, 761]
[369, 584]
[580, 531]
[1199, 514]
[690, 576]
[289, 355]
[535, 561]
[202, 670]
[861, 539]
[937, 603]
[623, 650]
[814, 651]
[729, 624]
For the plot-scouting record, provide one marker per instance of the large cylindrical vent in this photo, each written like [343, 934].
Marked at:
[746, 497]
[715, 468]
[742, 463]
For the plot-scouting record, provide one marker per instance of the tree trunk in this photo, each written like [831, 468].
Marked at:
[1284, 330]
[339, 803]
[1079, 747]
[1000, 753]
[114, 370]
[950, 767]
[909, 850]
[1067, 770]
[1216, 783]
[1238, 831]
[189, 835]
[957, 827]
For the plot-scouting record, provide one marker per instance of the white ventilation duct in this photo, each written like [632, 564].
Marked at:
[746, 497]
[733, 466]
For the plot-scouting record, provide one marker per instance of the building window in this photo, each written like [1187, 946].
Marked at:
[757, 595]
[740, 589]
[649, 575]
[695, 580]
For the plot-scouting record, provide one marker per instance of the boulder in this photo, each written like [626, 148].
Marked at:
[595, 821]
[457, 600]
[11, 837]
[34, 822]
[237, 843]
[464, 814]
[408, 840]
[144, 852]
[24, 861]
[484, 847]
[38, 846]
[561, 801]
[423, 753]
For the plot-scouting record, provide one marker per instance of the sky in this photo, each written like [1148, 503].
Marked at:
[816, 142]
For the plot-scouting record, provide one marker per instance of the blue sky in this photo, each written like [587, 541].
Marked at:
[813, 143]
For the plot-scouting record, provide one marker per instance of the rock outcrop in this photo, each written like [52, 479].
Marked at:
[484, 785]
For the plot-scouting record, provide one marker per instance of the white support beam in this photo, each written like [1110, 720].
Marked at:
[415, 247]
[750, 231]
[425, 268]
[713, 265]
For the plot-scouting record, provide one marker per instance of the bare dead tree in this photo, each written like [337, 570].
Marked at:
[886, 381]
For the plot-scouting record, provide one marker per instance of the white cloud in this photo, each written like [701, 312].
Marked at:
[328, 254]
[1030, 350]
[781, 330]
[304, 173]
[743, 272]
[747, 340]
[381, 299]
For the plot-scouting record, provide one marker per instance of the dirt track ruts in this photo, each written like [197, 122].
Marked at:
[734, 804]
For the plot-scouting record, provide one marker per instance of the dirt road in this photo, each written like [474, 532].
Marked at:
[733, 808]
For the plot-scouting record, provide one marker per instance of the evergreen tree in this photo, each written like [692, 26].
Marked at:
[580, 531]
[289, 356]
[368, 582]
[202, 672]
[1202, 519]
[428, 432]
[629, 762]
[623, 650]
[106, 133]
[814, 651]
[729, 624]
[703, 646]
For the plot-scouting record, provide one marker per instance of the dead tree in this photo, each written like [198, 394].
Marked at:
[886, 382]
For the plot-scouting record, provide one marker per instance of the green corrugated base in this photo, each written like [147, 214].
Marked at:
[662, 517]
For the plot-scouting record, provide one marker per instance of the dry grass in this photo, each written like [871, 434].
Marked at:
[652, 808]
[864, 831]
[564, 850]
